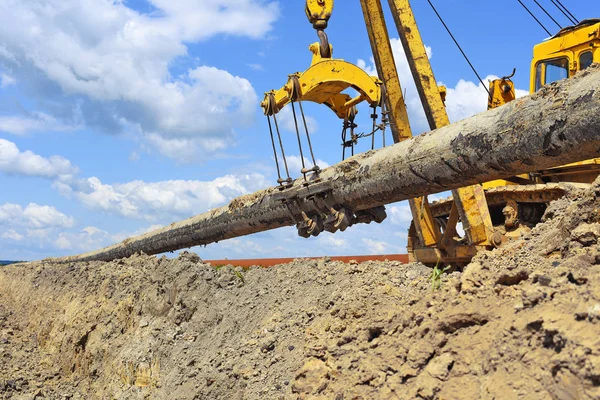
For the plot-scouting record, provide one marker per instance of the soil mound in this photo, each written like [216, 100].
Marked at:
[519, 322]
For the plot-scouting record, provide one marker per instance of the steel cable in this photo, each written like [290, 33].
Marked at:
[571, 20]
[299, 142]
[567, 10]
[534, 17]
[547, 13]
[287, 171]
[458, 45]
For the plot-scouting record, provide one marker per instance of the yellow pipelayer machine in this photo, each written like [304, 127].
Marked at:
[491, 213]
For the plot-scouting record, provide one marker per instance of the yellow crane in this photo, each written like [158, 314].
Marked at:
[492, 213]
[528, 136]
[518, 203]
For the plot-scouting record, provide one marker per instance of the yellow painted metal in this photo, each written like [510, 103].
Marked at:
[457, 254]
[425, 225]
[326, 79]
[386, 68]
[572, 48]
[475, 214]
[496, 183]
[470, 201]
[419, 63]
[570, 44]
[323, 82]
[451, 231]
[319, 12]
[502, 91]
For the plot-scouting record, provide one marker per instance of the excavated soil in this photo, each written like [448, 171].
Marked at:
[521, 322]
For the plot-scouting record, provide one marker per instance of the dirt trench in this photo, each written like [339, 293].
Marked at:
[521, 322]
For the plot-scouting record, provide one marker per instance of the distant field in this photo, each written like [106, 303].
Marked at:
[6, 262]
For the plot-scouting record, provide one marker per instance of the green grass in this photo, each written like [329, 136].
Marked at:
[436, 277]
[238, 274]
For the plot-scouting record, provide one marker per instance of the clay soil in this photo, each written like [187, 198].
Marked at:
[521, 322]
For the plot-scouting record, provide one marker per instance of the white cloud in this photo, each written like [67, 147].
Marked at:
[256, 67]
[295, 164]
[111, 63]
[12, 235]
[400, 214]
[35, 122]
[360, 239]
[335, 242]
[33, 216]
[92, 238]
[285, 118]
[88, 238]
[375, 246]
[160, 200]
[468, 98]
[62, 242]
[417, 118]
[242, 247]
[183, 149]
[193, 20]
[52, 234]
[6, 80]
[134, 156]
[14, 161]
[118, 237]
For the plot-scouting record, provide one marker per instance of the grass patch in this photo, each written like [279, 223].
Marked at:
[436, 276]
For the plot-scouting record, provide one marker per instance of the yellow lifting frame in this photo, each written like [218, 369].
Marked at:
[323, 83]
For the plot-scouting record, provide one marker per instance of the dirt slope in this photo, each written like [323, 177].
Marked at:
[522, 322]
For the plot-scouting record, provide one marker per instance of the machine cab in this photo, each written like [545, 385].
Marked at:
[571, 50]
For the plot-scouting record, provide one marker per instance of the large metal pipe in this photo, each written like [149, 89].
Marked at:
[558, 125]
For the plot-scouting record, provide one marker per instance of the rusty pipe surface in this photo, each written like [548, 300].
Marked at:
[558, 125]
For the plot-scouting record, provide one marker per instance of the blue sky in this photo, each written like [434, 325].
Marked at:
[119, 116]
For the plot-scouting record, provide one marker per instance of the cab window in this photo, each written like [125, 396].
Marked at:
[538, 76]
[551, 71]
[585, 60]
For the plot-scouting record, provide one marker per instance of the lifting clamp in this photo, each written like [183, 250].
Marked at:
[324, 82]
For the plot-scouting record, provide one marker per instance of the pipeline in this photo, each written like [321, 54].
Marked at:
[557, 125]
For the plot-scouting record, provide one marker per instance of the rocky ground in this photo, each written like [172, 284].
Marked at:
[522, 322]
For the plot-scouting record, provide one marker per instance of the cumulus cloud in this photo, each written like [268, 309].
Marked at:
[295, 164]
[285, 118]
[90, 238]
[12, 235]
[38, 231]
[34, 122]
[375, 246]
[400, 214]
[183, 149]
[6, 80]
[159, 200]
[33, 216]
[256, 67]
[468, 98]
[16, 162]
[110, 64]
[242, 247]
